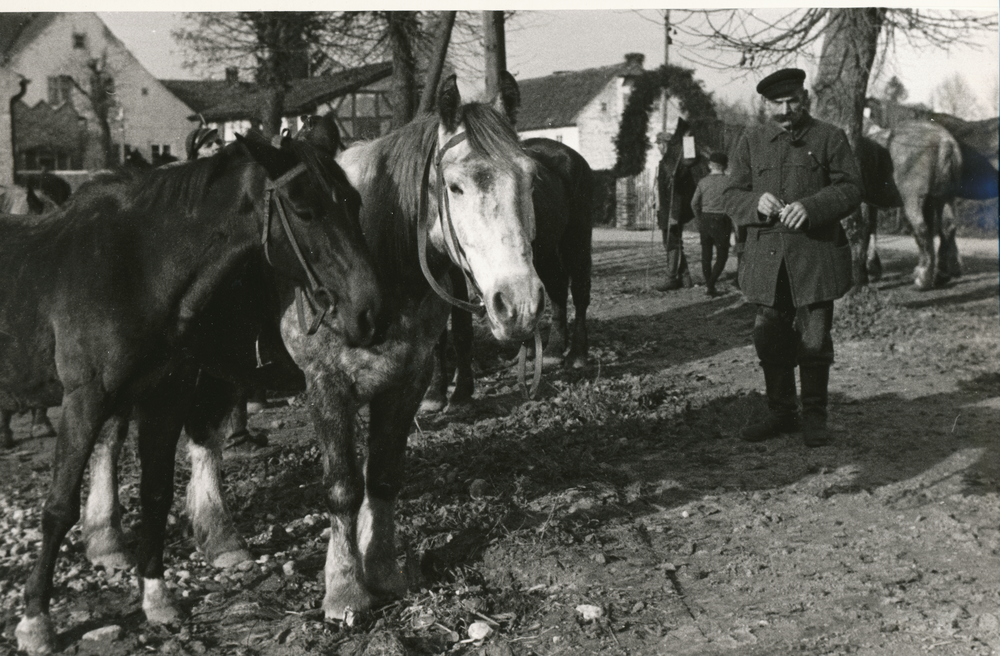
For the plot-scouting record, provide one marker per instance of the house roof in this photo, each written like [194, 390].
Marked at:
[556, 100]
[220, 100]
[19, 28]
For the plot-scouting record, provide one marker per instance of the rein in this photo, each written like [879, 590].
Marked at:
[434, 158]
[318, 295]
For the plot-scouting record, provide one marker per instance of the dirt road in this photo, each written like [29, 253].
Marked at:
[618, 514]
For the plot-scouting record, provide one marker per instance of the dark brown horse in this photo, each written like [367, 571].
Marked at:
[561, 253]
[25, 200]
[119, 299]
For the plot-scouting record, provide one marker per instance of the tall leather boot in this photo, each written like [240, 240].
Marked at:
[674, 261]
[815, 380]
[784, 415]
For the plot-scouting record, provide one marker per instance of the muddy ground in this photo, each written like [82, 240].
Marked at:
[618, 513]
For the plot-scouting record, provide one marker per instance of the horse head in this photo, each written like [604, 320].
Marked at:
[312, 236]
[480, 203]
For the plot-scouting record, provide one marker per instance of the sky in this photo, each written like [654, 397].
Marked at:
[541, 42]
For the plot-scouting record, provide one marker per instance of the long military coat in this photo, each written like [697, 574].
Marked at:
[816, 167]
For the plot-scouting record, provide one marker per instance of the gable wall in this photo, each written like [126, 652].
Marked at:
[158, 117]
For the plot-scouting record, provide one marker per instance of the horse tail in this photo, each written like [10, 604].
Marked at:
[950, 163]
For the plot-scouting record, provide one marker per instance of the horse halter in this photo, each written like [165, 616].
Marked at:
[319, 295]
[444, 215]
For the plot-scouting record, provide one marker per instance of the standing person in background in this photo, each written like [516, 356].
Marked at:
[671, 217]
[713, 224]
[202, 142]
[792, 180]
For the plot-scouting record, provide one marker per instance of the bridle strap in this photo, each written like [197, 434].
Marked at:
[317, 294]
[434, 157]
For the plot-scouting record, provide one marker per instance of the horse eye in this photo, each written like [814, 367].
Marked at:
[455, 189]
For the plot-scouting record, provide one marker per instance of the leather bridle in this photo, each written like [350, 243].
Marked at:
[424, 221]
[318, 295]
[434, 157]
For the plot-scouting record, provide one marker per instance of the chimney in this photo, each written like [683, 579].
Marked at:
[634, 61]
[232, 74]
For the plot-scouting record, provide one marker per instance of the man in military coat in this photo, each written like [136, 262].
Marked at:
[791, 182]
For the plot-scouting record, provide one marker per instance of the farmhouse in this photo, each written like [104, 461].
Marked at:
[84, 92]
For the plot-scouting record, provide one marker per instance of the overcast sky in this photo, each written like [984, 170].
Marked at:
[540, 42]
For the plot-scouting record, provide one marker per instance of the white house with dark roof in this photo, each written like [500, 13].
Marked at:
[583, 109]
[52, 50]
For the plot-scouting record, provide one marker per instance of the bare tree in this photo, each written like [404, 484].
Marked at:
[954, 96]
[94, 80]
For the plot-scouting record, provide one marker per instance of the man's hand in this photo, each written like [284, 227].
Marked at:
[769, 205]
[794, 216]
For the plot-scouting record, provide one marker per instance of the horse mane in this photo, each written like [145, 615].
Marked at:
[391, 173]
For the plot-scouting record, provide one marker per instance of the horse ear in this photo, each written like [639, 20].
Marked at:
[322, 132]
[264, 154]
[449, 100]
[508, 100]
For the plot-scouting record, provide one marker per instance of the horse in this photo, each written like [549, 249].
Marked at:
[450, 190]
[926, 176]
[561, 254]
[147, 278]
[25, 200]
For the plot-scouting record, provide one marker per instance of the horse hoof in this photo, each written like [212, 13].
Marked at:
[344, 607]
[106, 547]
[552, 360]
[230, 559]
[36, 635]
[158, 604]
[43, 430]
[431, 406]
[580, 362]
[254, 407]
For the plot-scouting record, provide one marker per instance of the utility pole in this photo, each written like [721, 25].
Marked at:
[666, 62]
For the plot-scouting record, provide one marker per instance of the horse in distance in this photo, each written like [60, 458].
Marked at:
[131, 297]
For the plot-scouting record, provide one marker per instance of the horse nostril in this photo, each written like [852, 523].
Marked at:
[501, 309]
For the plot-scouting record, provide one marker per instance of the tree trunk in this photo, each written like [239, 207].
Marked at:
[436, 66]
[402, 28]
[849, 47]
[496, 50]
[102, 102]
[272, 101]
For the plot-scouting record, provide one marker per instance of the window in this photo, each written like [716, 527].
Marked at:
[145, 91]
[79, 41]
[363, 115]
[156, 150]
[60, 89]
[166, 150]
[48, 159]
[559, 138]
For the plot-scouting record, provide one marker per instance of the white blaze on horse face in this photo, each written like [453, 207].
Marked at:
[491, 212]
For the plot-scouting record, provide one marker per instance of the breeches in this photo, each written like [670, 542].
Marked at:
[786, 336]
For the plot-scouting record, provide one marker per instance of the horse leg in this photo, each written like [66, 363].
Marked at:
[949, 262]
[40, 424]
[160, 416]
[82, 417]
[102, 520]
[465, 381]
[556, 281]
[579, 272]
[436, 397]
[6, 434]
[333, 414]
[873, 261]
[917, 208]
[215, 532]
[391, 416]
